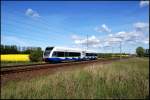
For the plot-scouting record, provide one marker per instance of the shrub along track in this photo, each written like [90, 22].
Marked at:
[28, 71]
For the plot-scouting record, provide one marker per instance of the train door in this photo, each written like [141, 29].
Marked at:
[83, 54]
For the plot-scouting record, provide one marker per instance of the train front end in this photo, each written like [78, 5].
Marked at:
[47, 54]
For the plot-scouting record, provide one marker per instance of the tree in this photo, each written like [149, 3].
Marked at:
[28, 51]
[7, 49]
[13, 49]
[36, 55]
[140, 51]
[2, 49]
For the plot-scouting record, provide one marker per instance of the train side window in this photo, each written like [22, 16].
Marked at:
[66, 54]
[78, 54]
[87, 54]
[60, 54]
[70, 54]
[74, 54]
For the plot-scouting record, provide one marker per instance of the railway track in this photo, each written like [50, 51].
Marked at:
[24, 68]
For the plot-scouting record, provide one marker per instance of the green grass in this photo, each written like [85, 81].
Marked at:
[128, 79]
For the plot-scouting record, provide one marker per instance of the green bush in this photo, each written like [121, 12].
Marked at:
[36, 55]
[140, 52]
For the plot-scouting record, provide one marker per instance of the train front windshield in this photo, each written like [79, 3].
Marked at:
[48, 51]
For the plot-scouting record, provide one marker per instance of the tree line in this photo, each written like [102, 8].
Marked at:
[13, 49]
[140, 52]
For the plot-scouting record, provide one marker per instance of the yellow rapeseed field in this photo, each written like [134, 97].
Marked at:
[15, 57]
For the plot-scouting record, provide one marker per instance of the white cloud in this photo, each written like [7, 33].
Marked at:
[31, 13]
[144, 3]
[103, 28]
[127, 37]
[78, 41]
[146, 41]
[136, 36]
[114, 40]
[111, 39]
[117, 37]
[92, 40]
[141, 26]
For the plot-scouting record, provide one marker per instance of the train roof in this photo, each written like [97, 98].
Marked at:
[67, 49]
[55, 48]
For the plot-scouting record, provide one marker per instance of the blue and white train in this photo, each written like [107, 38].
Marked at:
[59, 54]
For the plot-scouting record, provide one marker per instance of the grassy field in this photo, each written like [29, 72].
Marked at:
[128, 79]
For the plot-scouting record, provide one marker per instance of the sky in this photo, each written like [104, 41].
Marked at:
[103, 26]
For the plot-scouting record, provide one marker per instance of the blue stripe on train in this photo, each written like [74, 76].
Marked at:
[60, 59]
[54, 59]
